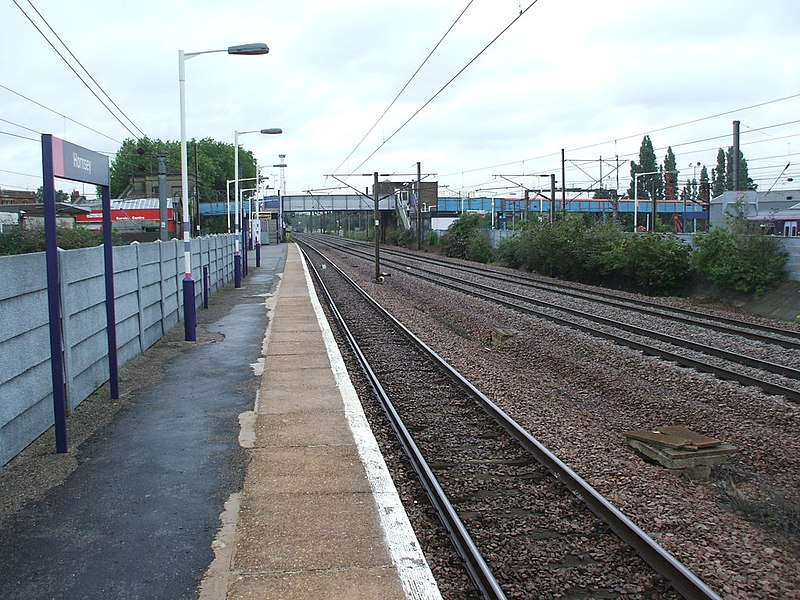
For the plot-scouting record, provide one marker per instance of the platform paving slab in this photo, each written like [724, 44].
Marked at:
[308, 532]
[317, 428]
[315, 389]
[306, 470]
[353, 584]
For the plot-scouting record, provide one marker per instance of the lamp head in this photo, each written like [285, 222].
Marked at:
[248, 49]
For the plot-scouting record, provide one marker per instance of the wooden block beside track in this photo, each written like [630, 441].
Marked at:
[673, 436]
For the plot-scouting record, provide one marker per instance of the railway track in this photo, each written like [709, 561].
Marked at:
[785, 337]
[734, 363]
[525, 525]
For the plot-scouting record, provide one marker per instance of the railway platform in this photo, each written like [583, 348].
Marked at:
[259, 415]
[318, 516]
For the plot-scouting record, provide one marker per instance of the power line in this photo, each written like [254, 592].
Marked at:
[22, 137]
[452, 79]
[62, 115]
[22, 174]
[627, 137]
[88, 87]
[85, 70]
[446, 33]
[20, 126]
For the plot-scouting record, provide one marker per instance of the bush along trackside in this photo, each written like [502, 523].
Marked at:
[602, 254]
[31, 239]
[467, 239]
[740, 259]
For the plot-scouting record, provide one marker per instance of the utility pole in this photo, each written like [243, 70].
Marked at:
[616, 195]
[525, 208]
[196, 191]
[553, 197]
[601, 172]
[563, 185]
[162, 196]
[377, 217]
[735, 156]
[419, 206]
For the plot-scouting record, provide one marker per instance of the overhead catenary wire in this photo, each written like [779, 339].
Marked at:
[403, 89]
[446, 85]
[627, 137]
[66, 62]
[62, 115]
[22, 137]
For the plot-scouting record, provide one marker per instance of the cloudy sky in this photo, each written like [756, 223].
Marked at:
[587, 76]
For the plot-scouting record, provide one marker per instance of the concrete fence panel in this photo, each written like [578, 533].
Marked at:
[148, 292]
[151, 315]
[127, 305]
[171, 275]
[83, 314]
[26, 398]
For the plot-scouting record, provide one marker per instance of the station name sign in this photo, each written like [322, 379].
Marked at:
[79, 164]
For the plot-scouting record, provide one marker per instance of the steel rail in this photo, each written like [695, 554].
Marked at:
[682, 579]
[721, 372]
[479, 571]
[756, 363]
[681, 315]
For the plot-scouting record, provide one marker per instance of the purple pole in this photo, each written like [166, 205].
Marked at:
[246, 257]
[205, 287]
[54, 296]
[111, 318]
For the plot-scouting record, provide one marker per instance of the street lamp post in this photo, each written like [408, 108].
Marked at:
[281, 193]
[228, 183]
[636, 197]
[237, 255]
[189, 308]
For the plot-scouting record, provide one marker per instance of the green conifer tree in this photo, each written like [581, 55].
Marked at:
[647, 164]
[719, 181]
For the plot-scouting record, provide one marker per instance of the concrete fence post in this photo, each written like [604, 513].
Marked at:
[140, 299]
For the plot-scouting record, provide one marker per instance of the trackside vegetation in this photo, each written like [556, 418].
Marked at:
[737, 258]
[31, 239]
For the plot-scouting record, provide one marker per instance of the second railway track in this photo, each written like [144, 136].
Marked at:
[749, 361]
[531, 523]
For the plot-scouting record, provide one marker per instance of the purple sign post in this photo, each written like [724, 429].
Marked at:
[67, 161]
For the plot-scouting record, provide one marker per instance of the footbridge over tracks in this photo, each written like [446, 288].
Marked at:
[336, 203]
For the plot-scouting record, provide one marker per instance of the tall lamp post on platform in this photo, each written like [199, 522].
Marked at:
[237, 255]
[189, 308]
[281, 193]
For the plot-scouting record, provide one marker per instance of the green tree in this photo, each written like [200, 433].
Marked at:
[213, 160]
[719, 181]
[656, 264]
[689, 190]
[647, 164]
[61, 195]
[704, 186]
[745, 182]
[671, 175]
[739, 258]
